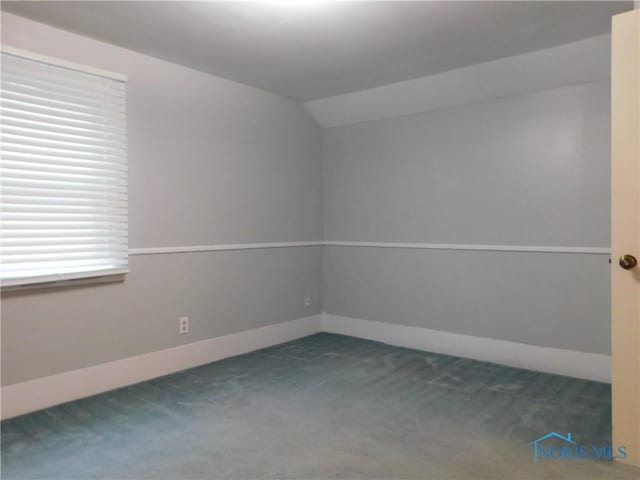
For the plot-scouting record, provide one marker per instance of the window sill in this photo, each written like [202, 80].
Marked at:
[64, 280]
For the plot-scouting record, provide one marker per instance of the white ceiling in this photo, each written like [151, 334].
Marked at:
[321, 49]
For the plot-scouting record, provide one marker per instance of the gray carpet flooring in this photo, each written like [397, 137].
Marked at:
[325, 406]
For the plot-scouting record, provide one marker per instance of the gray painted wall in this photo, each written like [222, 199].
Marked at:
[210, 161]
[525, 170]
[53, 331]
[531, 169]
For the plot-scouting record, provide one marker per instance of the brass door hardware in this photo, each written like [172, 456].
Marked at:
[627, 261]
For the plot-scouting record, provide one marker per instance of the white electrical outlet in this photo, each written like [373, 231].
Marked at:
[307, 301]
[184, 324]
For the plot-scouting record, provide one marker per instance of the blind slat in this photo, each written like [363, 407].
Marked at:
[95, 206]
[44, 95]
[21, 113]
[61, 160]
[43, 134]
[59, 233]
[55, 241]
[71, 113]
[94, 145]
[81, 168]
[40, 174]
[12, 81]
[71, 184]
[61, 194]
[55, 150]
[68, 264]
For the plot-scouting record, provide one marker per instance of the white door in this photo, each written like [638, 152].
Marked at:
[625, 306]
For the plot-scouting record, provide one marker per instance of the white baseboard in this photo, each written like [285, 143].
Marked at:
[590, 366]
[45, 392]
[64, 387]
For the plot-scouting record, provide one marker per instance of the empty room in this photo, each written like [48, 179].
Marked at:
[307, 239]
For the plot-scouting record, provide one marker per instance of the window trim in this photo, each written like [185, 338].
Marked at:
[56, 278]
[71, 278]
[58, 62]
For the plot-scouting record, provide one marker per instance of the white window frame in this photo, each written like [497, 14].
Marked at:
[69, 278]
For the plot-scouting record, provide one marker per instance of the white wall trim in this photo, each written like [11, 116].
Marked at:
[483, 248]
[25, 397]
[590, 366]
[424, 246]
[220, 247]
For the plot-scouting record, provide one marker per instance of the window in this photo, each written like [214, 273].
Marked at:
[63, 171]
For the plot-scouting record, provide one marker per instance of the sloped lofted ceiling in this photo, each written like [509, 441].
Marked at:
[315, 49]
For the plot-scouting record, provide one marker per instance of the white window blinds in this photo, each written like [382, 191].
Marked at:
[63, 173]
